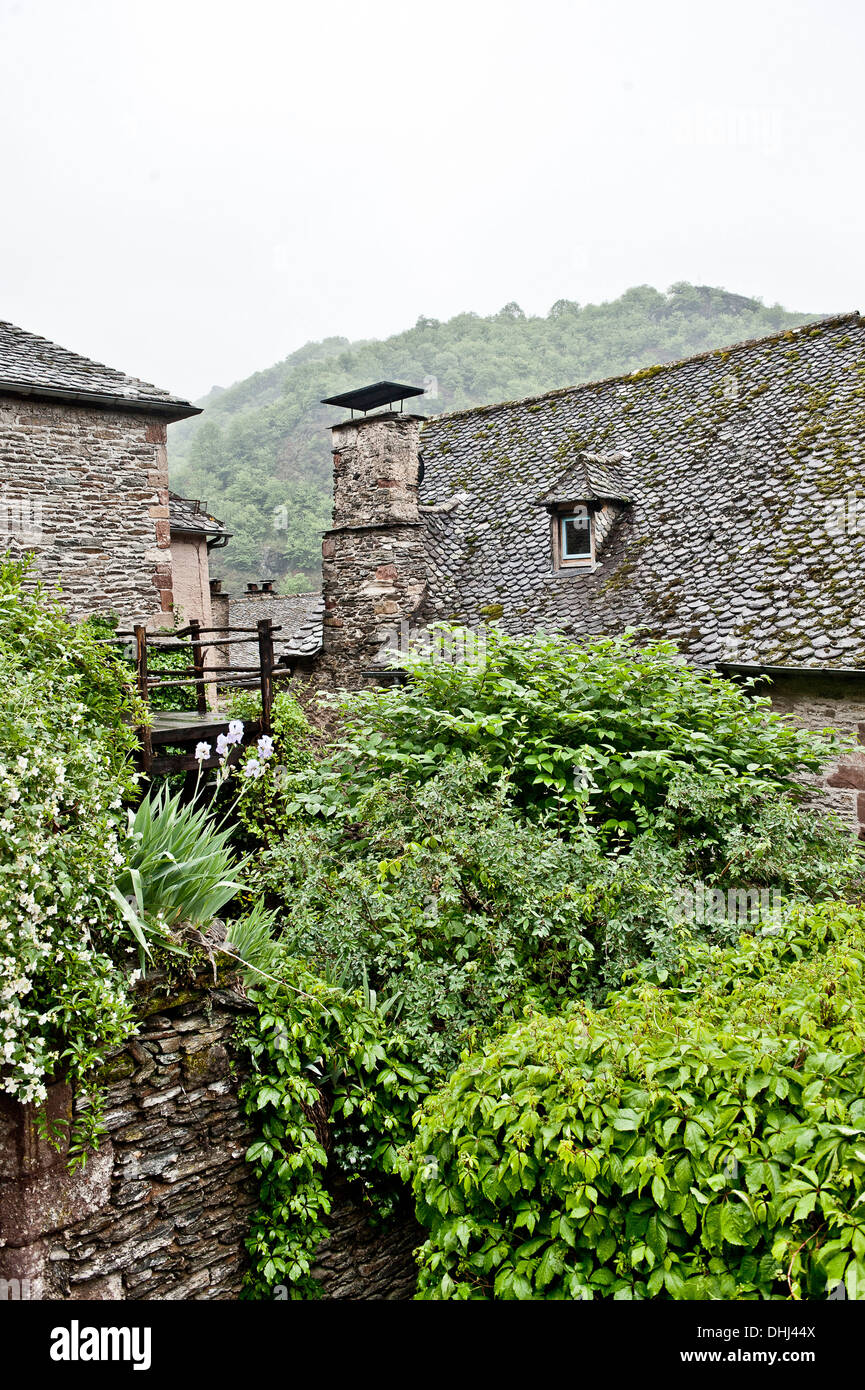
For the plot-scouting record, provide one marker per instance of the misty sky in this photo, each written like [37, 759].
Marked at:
[192, 190]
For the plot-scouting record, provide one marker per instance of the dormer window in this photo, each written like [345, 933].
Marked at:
[585, 506]
[576, 539]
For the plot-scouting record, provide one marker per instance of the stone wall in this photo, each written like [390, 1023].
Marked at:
[161, 1210]
[87, 491]
[361, 1261]
[837, 702]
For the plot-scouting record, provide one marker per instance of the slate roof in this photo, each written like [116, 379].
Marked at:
[301, 626]
[33, 366]
[590, 478]
[298, 617]
[742, 467]
[188, 515]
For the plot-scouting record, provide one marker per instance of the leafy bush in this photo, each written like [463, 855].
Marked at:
[602, 729]
[444, 895]
[446, 860]
[443, 899]
[65, 745]
[703, 1141]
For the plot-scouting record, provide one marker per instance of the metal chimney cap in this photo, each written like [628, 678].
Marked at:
[369, 397]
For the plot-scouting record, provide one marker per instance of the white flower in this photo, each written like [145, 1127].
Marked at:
[253, 768]
[235, 731]
[265, 747]
[222, 745]
[202, 751]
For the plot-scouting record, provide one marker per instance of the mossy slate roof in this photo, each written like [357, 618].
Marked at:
[189, 516]
[34, 366]
[739, 539]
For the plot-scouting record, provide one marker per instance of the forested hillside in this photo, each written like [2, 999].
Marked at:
[260, 455]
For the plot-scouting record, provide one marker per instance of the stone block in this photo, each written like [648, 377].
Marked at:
[848, 774]
[36, 1206]
[108, 1288]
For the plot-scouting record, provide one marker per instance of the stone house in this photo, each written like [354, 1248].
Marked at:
[194, 533]
[714, 501]
[85, 477]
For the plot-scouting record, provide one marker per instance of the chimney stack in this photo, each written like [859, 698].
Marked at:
[374, 557]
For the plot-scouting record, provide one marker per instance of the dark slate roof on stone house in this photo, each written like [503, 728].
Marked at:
[301, 618]
[740, 541]
[188, 515]
[298, 617]
[33, 366]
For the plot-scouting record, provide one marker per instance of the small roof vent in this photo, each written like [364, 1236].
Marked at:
[371, 397]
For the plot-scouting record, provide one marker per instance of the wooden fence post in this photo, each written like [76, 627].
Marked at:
[265, 656]
[141, 677]
[198, 665]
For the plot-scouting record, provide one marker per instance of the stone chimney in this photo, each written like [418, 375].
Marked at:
[374, 558]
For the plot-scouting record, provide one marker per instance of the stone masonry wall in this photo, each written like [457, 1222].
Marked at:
[374, 557]
[161, 1210]
[818, 702]
[87, 491]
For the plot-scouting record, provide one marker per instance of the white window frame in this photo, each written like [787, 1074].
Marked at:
[560, 519]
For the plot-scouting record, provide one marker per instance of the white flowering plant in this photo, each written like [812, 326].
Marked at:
[66, 735]
[269, 767]
[180, 866]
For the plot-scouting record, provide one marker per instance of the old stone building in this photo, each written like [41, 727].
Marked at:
[717, 501]
[194, 533]
[85, 477]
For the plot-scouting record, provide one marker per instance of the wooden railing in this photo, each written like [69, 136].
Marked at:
[200, 675]
[185, 728]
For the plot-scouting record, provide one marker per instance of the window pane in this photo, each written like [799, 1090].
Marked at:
[576, 537]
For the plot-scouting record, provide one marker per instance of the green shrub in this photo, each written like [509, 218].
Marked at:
[603, 728]
[443, 899]
[320, 1056]
[448, 860]
[702, 1141]
[448, 897]
[65, 746]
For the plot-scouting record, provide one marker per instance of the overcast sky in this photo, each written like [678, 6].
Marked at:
[192, 190]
